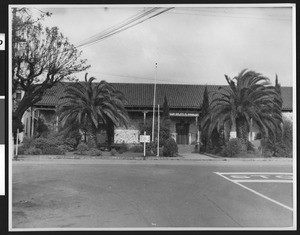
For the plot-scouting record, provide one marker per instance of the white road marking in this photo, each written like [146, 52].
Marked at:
[259, 177]
[263, 181]
[253, 173]
[253, 191]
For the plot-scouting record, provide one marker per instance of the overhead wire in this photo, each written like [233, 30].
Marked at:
[119, 25]
[122, 28]
[204, 12]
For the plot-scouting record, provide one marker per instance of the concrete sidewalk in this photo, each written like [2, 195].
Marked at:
[135, 156]
[180, 157]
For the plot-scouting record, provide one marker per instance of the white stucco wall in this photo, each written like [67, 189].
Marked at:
[126, 136]
[288, 115]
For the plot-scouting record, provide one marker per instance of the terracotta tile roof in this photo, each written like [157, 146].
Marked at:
[141, 95]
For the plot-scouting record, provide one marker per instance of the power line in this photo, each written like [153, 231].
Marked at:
[221, 10]
[119, 25]
[217, 14]
[122, 28]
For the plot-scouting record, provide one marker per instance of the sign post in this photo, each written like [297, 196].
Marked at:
[145, 139]
[144, 146]
[17, 144]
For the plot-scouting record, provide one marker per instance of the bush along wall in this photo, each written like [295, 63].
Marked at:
[52, 144]
[41, 145]
[85, 149]
[232, 148]
[280, 145]
[170, 148]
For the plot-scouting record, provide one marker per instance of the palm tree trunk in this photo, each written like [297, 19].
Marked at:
[227, 129]
[242, 131]
[93, 134]
[110, 133]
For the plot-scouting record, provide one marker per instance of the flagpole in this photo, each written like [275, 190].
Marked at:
[154, 96]
[158, 129]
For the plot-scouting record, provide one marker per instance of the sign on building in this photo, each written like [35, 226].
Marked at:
[184, 114]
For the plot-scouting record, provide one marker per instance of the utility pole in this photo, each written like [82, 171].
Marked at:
[154, 96]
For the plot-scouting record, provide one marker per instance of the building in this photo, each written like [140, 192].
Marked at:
[184, 102]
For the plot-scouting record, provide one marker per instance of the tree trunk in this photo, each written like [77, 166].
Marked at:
[94, 132]
[242, 131]
[227, 129]
[110, 134]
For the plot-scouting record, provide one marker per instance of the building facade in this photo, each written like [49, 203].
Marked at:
[184, 107]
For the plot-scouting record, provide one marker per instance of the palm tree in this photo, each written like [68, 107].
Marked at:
[249, 98]
[93, 106]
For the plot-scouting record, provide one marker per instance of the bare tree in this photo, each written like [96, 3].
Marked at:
[41, 57]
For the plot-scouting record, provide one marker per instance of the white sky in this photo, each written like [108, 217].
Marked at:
[192, 45]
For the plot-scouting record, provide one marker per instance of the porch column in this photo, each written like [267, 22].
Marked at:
[56, 123]
[32, 122]
[145, 114]
[198, 135]
[175, 136]
[251, 130]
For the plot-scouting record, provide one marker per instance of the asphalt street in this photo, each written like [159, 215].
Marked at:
[120, 194]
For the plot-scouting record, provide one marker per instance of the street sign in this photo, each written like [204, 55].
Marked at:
[145, 138]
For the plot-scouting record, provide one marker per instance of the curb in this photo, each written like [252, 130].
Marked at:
[181, 158]
[248, 159]
[211, 155]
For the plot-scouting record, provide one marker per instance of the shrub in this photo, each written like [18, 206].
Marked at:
[28, 142]
[70, 143]
[33, 151]
[74, 135]
[81, 148]
[21, 150]
[232, 148]
[52, 150]
[43, 143]
[113, 152]
[250, 147]
[94, 152]
[164, 134]
[123, 148]
[215, 143]
[170, 148]
[91, 143]
[151, 149]
[137, 149]
[280, 145]
[67, 148]
[287, 138]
